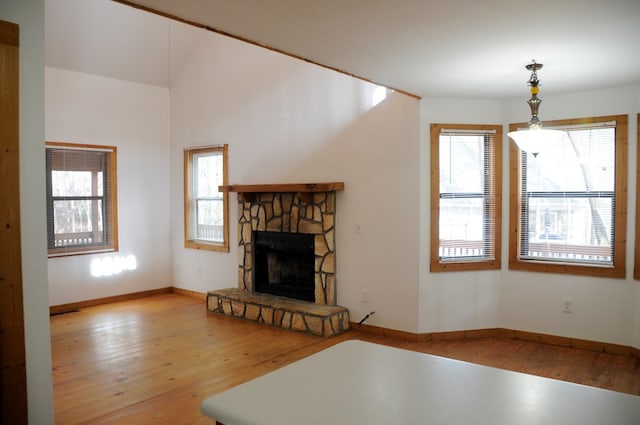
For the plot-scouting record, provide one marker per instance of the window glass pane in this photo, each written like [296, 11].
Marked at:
[570, 221]
[461, 163]
[465, 213]
[568, 203]
[462, 219]
[462, 228]
[208, 175]
[77, 222]
[209, 220]
[76, 183]
[585, 160]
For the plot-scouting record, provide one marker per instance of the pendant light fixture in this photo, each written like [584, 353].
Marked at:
[535, 139]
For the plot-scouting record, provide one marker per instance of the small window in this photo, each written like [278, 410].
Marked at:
[206, 217]
[81, 199]
[569, 212]
[466, 197]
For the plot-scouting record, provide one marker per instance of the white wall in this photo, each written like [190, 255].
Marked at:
[29, 14]
[289, 121]
[459, 300]
[83, 108]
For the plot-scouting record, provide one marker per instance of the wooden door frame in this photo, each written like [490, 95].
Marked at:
[13, 377]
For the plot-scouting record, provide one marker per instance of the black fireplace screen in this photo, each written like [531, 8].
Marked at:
[284, 264]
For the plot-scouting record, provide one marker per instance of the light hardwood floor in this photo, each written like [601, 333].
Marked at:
[153, 360]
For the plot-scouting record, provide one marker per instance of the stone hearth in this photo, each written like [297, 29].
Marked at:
[286, 313]
[288, 208]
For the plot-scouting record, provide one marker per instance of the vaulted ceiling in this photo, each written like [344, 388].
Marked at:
[446, 48]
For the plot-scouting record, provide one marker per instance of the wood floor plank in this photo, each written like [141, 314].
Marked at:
[154, 360]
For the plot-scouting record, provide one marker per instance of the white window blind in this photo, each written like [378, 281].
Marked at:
[568, 199]
[467, 202]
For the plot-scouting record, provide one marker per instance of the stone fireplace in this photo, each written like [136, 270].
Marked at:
[309, 213]
[286, 266]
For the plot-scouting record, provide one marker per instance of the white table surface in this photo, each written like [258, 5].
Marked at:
[356, 382]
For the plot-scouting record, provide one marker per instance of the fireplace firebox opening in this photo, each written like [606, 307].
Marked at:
[284, 264]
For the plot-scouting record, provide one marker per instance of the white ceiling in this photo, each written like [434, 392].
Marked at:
[106, 38]
[446, 48]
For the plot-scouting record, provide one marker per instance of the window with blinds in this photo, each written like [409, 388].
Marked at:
[81, 198]
[465, 196]
[206, 218]
[570, 196]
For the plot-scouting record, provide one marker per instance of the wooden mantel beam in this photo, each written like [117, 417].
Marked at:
[283, 187]
[247, 192]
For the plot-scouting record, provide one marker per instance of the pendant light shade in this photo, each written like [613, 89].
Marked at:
[538, 140]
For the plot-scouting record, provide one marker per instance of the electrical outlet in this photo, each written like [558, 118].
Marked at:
[568, 305]
[364, 297]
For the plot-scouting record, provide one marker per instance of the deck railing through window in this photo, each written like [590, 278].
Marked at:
[210, 232]
[537, 250]
[561, 251]
[73, 239]
[461, 248]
